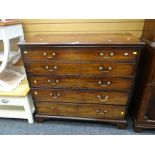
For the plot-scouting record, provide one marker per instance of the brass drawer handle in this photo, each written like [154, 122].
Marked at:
[49, 57]
[126, 53]
[135, 53]
[105, 70]
[56, 95]
[111, 53]
[101, 112]
[46, 67]
[51, 69]
[25, 52]
[53, 81]
[104, 84]
[101, 54]
[44, 54]
[103, 98]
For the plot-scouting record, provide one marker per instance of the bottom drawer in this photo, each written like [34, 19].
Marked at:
[81, 110]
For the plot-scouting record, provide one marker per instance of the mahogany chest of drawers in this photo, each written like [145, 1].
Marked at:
[85, 77]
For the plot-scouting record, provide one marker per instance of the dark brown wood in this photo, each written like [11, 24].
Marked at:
[76, 96]
[149, 30]
[152, 67]
[96, 83]
[122, 125]
[143, 106]
[106, 68]
[112, 121]
[153, 76]
[81, 110]
[79, 54]
[150, 111]
[137, 129]
[40, 119]
[82, 39]
[90, 78]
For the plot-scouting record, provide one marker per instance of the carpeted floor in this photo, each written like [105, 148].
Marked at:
[59, 127]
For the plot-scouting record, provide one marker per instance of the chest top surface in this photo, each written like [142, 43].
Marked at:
[82, 39]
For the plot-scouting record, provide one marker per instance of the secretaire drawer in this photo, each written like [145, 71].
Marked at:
[78, 110]
[82, 82]
[113, 69]
[79, 96]
[79, 54]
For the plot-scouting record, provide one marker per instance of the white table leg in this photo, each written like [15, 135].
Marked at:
[29, 113]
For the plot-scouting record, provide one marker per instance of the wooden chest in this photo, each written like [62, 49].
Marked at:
[143, 107]
[86, 77]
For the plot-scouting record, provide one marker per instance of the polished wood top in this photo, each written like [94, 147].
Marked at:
[81, 39]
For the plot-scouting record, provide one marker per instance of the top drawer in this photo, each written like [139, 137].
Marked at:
[79, 54]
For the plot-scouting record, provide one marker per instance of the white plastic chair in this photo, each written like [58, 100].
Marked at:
[9, 76]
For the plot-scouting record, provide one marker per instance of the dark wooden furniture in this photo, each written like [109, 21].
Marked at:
[143, 106]
[149, 31]
[85, 77]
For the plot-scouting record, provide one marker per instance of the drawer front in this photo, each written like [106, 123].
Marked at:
[79, 54]
[78, 110]
[6, 100]
[82, 83]
[77, 96]
[113, 69]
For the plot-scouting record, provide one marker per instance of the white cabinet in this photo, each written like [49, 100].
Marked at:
[17, 104]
